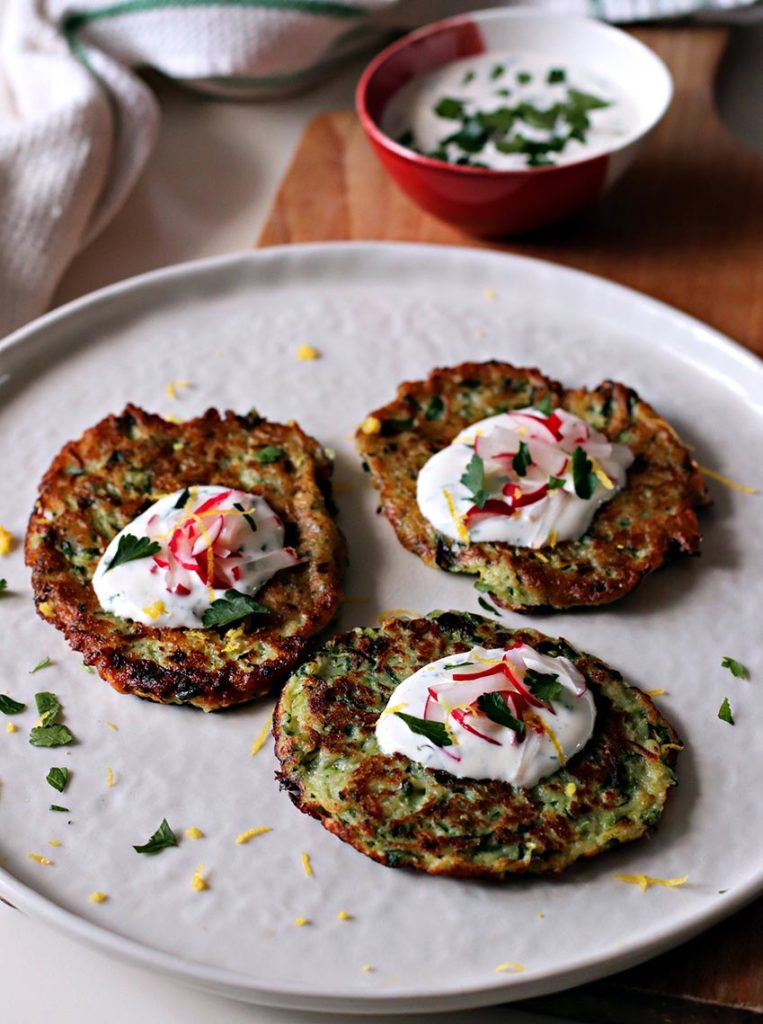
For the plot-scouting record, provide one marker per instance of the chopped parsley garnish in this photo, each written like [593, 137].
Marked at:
[522, 459]
[582, 474]
[57, 778]
[474, 480]
[544, 405]
[497, 71]
[45, 663]
[240, 508]
[524, 77]
[50, 736]
[482, 586]
[57, 807]
[735, 668]
[497, 710]
[407, 139]
[48, 707]
[487, 606]
[435, 409]
[3, 585]
[163, 838]
[131, 548]
[468, 77]
[183, 499]
[233, 607]
[472, 136]
[9, 706]
[724, 712]
[554, 483]
[556, 75]
[450, 108]
[434, 731]
[499, 120]
[272, 453]
[543, 685]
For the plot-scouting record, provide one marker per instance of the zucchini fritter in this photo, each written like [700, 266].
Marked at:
[100, 483]
[649, 521]
[402, 814]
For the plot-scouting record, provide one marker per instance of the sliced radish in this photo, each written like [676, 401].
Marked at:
[492, 507]
[460, 715]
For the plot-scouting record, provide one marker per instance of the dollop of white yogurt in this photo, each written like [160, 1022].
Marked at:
[548, 732]
[536, 488]
[210, 540]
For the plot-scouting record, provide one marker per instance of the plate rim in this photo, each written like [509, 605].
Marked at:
[238, 984]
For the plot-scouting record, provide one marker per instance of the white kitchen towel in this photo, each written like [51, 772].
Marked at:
[77, 123]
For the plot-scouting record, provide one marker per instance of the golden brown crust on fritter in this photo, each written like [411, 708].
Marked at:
[402, 814]
[651, 520]
[99, 483]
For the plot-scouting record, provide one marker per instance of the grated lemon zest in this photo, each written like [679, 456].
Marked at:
[172, 386]
[552, 538]
[45, 608]
[307, 866]
[540, 915]
[672, 746]
[654, 693]
[198, 883]
[39, 859]
[306, 353]
[235, 641]
[726, 481]
[262, 736]
[489, 294]
[54, 842]
[109, 777]
[530, 717]
[397, 613]
[6, 541]
[98, 897]
[11, 727]
[194, 833]
[250, 833]
[600, 475]
[461, 530]
[371, 425]
[451, 735]
[367, 968]
[645, 881]
[509, 965]
[113, 726]
[170, 417]
[540, 557]
[155, 610]
[570, 789]
[343, 916]
[395, 708]
[300, 922]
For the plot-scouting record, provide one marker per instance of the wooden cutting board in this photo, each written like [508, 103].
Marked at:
[685, 226]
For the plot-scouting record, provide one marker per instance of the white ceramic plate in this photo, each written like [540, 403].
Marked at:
[378, 314]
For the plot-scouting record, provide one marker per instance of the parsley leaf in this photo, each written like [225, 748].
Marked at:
[543, 685]
[497, 71]
[735, 668]
[48, 707]
[435, 409]
[163, 838]
[57, 778]
[522, 459]
[50, 736]
[57, 807]
[556, 75]
[232, 608]
[449, 108]
[474, 480]
[434, 731]
[468, 77]
[582, 475]
[271, 453]
[183, 499]
[544, 405]
[524, 77]
[9, 706]
[3, 585]
[487, 606]
[497, 710]
[554, 483]
[586, 100]
[249, 518]
[45, 663]
[724, 712]
[130, 548]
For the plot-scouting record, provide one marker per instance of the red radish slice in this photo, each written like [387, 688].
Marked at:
[492, 507]
[525, 497]
[208, 535]
[550, 458]
[460, 716]
[212, 502]
[468, 692]
[550, 425]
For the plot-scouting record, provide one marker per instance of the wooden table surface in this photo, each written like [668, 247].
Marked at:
[684, 226]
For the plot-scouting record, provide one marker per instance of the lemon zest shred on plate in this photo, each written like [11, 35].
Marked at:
[172, 387]
[367, 968]
[98, 897]
[540, 915]
[54, 842]
[645, 881]
[109, 777]
[170, 417]
[727, 481]
[262, 736]
[533, 718]
[306, 353]
[306, 864]
[6, 541]
[113, 726]
[251, 833]
[155, 610]
[198, 882]
[300, 922]
[11, 727]
[461, 530]
[509, 965]
[343, 916]
[39, 859]
[393, 710]
[489, 294]
[655, 693]
[194, 833]
[371, 425]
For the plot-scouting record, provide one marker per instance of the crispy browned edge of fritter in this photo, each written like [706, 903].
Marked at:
[290, 753]
[544, 575]
[74, 605]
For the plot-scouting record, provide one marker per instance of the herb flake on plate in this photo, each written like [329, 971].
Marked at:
[9, 706]
[724, 712]
[473, 480]
[233, 607]
[434, 731]
[736, 668]
[45, 663]
[497, 710]
[162, 839]
[57, 778]
[131, 548]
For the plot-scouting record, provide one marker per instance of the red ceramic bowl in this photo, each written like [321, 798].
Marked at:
[496, 203]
